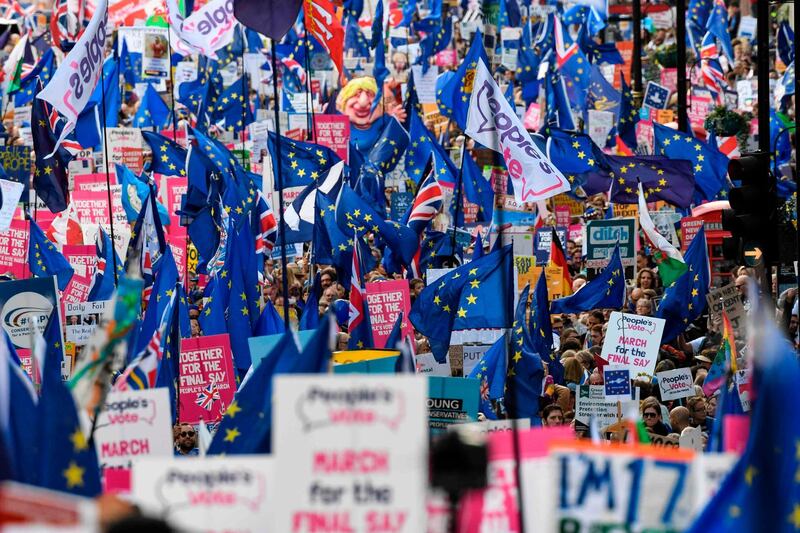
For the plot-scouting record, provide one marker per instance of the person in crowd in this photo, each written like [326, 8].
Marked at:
[651, 414]
[185, 439]
[552, 416]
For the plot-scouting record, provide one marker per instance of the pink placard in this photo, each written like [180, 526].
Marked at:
[575, 232]
[77, 290]
[205, 360]
[175, 187]
[735, 431]
[387, 299]
[699, 108]
[446, 58]
[669, 78]
[94, 182]
[82, 258]
[14, 249]
[562, 215]
[177, 243]
[333, 131]
[690, 226]
[533, 117]
[117, 481]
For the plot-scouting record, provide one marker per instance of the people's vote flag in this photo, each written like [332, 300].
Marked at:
[71, 87]
[205, 31]
[493, 123]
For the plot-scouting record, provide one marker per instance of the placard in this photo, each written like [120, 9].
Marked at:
[616, 382]
[426, 364]
[350, 450]
[425, 84]
[656, 96]
[690, 226]
[155, 57]
[81, 257]
[472, 355]
[12, 191]
[451, 401]
[633, 341]
[590, 401]
[16, 162]
[215, 494]
[601, 238]
[386, 300]
[675, 384]
[333, 131]
[623, 488]
[543, 241]
[14, 249]
[700, 105]
[731, 300]
[82, 319]
[133, 424]
[207, 382]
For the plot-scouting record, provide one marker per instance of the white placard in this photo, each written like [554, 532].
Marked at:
[493, 426]
[633, 341]
[427, 365]
[12, 191]
[350, 450]
[133, 424]
[600, 125]
[676, 384]
[425, 84]
[212, 494]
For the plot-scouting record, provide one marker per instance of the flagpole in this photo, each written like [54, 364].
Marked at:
[310, 118]
[106, 155]
[172, 83]
[458, 197]
[246, 91]
[278, 171]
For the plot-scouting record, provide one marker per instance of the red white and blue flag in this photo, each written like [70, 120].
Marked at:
[266, 225]
[426, 204]
[207, 396]
[358, 323]
[710, 67]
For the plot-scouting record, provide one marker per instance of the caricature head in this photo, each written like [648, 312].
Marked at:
[355, 100]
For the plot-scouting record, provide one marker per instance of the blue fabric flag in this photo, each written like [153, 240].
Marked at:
[269, 322]
[18, 436]
[476, 189]
[606, 291]
[454, 99]
[717, 25]
[50, 172]
[67, 460]
[628, 116]
[574, 153]
[301, 163]
[709, 165]
[459, 300]
[358, 324]
[44, 70]
[130, 182]
[491, 371]
[243, 311]
[685, 299]
[168, 371]
[166, 277]
[396, 335]
[780, 141]
[103, 280]
[232, 110]
[169, 158]
[541, 331]
[45, 260]
[785, 43]
[434, 42]
[153, 112]
[527, 59]
[354, 40]
[761, 492]
[525, 368]
[559, 105]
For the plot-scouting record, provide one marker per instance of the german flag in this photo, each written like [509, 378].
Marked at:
[559, 259]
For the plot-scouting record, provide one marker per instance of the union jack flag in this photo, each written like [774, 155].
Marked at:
[208, 396]
[427, 203]
[710, 67]
[295, 68]
[266, 225]
[141, 373]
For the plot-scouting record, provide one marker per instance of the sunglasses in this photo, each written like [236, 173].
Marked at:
[650, 414]
[187, 433]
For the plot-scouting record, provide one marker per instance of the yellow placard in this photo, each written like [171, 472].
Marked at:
[626, 211]
[356, 356]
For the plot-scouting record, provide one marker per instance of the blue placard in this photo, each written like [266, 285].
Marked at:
[656, 96]
[261, 346]
[542, 241]
[617, 382]
[401, 201]
[451, 401]
[27, 301]
[16, 162]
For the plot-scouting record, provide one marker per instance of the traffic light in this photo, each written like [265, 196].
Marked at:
[752, 218]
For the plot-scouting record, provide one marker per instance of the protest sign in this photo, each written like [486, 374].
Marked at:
[451, 401]
[133, 424]
[617, 382]
[601, 238]
[599, 125]
[14, 249]
[125, 147]
[675, 384]
[383, 365]
[400, 202]
[730, 300]
[425, 83]
[386, 300]
[81, 257]
[563, 217]
[656, 96]
[473, 354]
[82, 319]
[591, 402]
[77, 290]
[155, 56]
[543, 241]
[642, 488]
[350, 451]
[333, 131]
[427, 365]
[700, 105]
[207, 382]
[28, 508]
[16, 162]
[669, 78]
[494, 426]
[533, 117]
[347, 357]
[743, 378]
[633, 341]
[12, 191]
[690, 226]
[215, 494]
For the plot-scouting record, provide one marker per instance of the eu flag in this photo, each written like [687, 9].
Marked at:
[18, 434]
[243, 308]
[153, 111]
[434, 42]
[354, 40]
[301, 162]
[606, 291]
[685, 299]
[761, 492]
[269, 322]
[233, 108]
[44, 70]
[525, 368]
[541, 331]
[470, 297]
[476, 189]
[574, 153]
[491, 371]
[717, 25]
[169, 158]
[628, 115]
[45, 260]
[50, 174]
[358, 323]
[709, 165]
[454, 99]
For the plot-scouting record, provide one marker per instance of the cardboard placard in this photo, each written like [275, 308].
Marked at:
[351, 450]
[333, 131]
[451, 401]
[603, 235]
[731, 300]
[207, 381]
[633, 341]
[14, 249]
[675, 384]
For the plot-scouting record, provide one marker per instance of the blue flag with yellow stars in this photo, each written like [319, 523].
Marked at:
[709, 165]
[602, 96]
[685, 299]
[574, 153]
[422, 144]
[44, 70]
[527, 59]
[169, 158]
[355, 217]
[476, 189]
[491, 372]
[153, 112]
[762, 492]
[454, 99]
[131, 64]
[670, 180]
[243, 309]
[434, 42]
[45, 260]
[20, 436]
[50, 172]
[525, 367]
[628, 116]
[269, 322]
[246, 427]
[232, 110]
[717, 25]
[168, 367]
[135, 190]
[435, 250]
[301, 162]
[103, 280]
[354, 40]
[541, 331]
[67, 460]
[559, 106]
[606, 291]
[472, 296]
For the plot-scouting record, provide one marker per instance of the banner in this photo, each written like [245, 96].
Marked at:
[387, 299]
[205, 31]
[633, 341]
[215, 494]
[451, 401]
[133, 424]
[14, 250]
[495, 125]
[207, 381]
[71, 87]
[351, 451]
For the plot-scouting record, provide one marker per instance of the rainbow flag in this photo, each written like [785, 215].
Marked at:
[724, 361]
